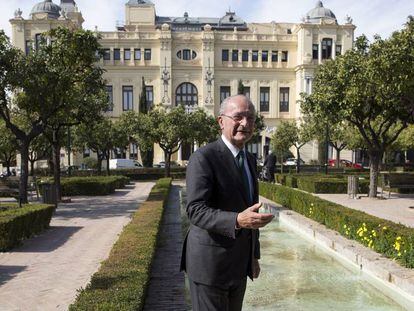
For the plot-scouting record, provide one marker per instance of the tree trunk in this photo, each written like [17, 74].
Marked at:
[99, 166]
[298, 160]
[281, 163]
[24, 171]
[56, 168]
[32, 167]
[107, 163]
[338, 156]
[167, 163]
[374, 165]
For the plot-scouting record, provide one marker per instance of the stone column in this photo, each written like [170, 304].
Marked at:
[320, 52]
[111, 51]
[180, 154]
[121, 51]
[279, 59]
[333, 49]
[132, 60]
[259, 63]
[250, 62]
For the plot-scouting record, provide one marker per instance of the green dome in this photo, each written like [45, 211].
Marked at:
[47, 6]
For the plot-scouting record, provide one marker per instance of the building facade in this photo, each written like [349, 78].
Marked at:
[196, 62]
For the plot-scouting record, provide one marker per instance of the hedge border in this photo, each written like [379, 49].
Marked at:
[393, 240]
[122, 280]
[17, 224]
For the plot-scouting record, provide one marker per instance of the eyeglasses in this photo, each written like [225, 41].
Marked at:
[239, 118]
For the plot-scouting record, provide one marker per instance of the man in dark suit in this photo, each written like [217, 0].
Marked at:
[270, 163]
[222, 246]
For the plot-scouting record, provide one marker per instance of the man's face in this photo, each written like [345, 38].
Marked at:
[237, 122]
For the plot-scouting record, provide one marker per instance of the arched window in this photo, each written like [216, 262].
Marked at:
[186, 95]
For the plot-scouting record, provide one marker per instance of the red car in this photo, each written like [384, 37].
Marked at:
[345, 163]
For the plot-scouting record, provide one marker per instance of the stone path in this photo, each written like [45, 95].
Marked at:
[45, 272]
[398, 208]
[167, 288]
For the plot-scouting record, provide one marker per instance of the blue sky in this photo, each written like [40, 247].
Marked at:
[370, 16]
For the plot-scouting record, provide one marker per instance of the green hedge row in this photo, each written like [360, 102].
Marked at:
[97, 185]
[17, 223]
[122, 279]
[385, 237]
[319, 183]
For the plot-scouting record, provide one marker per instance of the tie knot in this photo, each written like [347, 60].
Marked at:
[241, 154]
[240, 159]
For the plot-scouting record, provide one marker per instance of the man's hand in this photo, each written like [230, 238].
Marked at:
[251, 219]
[256, 268]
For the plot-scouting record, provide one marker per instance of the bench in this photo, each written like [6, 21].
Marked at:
[397, 180]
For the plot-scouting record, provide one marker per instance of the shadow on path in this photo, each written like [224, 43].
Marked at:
[9, 272]
[49, 240]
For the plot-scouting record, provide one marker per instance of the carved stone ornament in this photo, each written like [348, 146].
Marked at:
[18, 14]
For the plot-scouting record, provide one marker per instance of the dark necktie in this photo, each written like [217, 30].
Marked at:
[240, 161]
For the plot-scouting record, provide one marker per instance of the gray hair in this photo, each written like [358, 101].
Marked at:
[228, 100]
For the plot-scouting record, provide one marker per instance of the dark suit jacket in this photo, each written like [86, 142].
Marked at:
[214, 253]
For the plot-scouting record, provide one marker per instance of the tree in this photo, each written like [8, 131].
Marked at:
[77, 88]
[290, 134]
[147, 154]
[39, 148]
[240, 88]
[280, 144]
[202, 128]
[100, 137]
[8, 146]
[371, 88]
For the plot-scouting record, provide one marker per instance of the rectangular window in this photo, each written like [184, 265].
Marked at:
[326, 48]
[137, 54]
[225, 55]
[117, 54]
[315, 51]
[265, 56]
[245, 55]
[264, 99]
[235, 55]
[149, 95]
[127, 54]
[284, 99]
[147, 54]
[246, 91]
[274, 56]
[284, 56]
[28, 47]
[38, 39]
[127, 98]
[107, 54]
[255, 56]
[109, 90]
[338, 50]
[224, 92]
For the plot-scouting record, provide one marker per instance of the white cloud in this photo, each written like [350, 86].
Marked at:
[370, 16]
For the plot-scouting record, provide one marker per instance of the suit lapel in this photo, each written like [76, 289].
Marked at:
[229, 162]
[251, 162]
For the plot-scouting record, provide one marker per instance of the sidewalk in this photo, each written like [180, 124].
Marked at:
[166, 290]
[45, 272]
[396, 208]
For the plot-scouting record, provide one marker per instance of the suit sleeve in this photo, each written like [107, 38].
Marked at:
[200, 191]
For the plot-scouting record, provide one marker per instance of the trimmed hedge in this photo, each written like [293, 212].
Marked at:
[98, 185]
[385, 237]
[122, 279]
[17, 223]
[320, 183]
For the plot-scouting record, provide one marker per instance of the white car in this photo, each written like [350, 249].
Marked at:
[123, 163]
[293, 162]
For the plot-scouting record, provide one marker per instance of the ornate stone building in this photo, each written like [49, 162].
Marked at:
[197, 61]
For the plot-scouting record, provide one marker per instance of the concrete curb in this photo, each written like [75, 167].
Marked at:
[386, 275]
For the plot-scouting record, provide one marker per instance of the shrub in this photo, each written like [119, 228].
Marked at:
[17, 223]
[329, 185]
[146, 173]
[98, 185]
[385, 237]
[122, 279]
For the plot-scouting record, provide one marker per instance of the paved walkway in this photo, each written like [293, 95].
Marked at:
[398, 208]
[167, 288]
[45, 272]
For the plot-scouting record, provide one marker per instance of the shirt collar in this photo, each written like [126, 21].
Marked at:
[234, 150]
